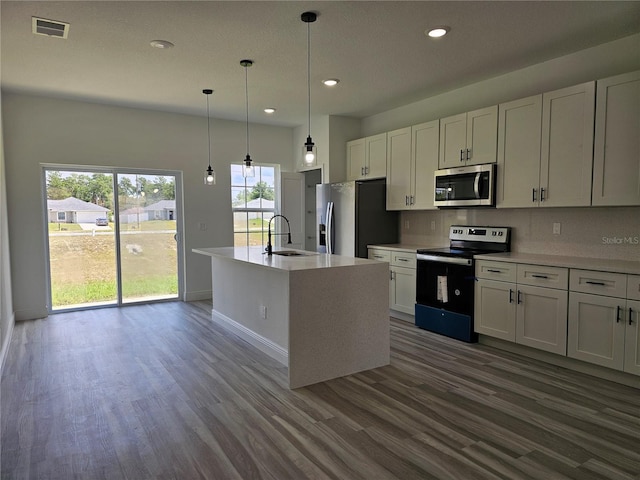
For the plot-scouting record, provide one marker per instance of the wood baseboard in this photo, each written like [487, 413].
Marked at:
[263, 344]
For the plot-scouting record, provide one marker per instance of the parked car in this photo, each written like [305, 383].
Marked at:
[102, 222]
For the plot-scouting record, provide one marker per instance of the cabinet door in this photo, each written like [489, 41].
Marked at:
[495, 309]
[424, 155]
[632, 338]
[482, 136]
[403, 290]
[596, 329]
[616, 170]
[519, 135]
[399, 169]
[453, 141]
[567, 146]
[355, 159]
[541, 318]
[376, 156]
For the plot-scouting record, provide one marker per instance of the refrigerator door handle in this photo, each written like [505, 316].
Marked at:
[330, 225]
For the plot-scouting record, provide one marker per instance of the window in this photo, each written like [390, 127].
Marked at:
[62, 216]
[253, 200]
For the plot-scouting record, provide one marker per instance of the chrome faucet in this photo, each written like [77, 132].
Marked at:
[269, 248]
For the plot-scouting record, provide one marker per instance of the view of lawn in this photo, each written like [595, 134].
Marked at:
[83, 267]
[254, 236]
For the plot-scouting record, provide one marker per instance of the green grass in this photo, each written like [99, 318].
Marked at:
[64, 227]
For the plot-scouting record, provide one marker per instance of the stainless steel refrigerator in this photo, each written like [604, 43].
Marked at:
[352, 215]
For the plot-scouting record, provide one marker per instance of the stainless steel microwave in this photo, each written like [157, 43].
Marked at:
[472, 186]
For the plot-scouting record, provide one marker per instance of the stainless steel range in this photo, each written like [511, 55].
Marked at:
[446, 278]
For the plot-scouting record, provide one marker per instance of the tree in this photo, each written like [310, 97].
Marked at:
[262, 190]
[56, 188]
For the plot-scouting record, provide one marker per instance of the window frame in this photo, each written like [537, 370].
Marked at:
[260, 210]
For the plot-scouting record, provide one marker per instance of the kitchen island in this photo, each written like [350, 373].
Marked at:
[323, 316]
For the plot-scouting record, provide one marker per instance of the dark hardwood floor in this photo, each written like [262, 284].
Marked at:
[159, 392]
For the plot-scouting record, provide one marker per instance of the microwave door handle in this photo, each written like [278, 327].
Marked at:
[476, 184]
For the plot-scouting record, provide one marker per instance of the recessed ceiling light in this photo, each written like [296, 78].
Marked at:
[438, 32]
[269, 110]
[331, 82]
[161, 44]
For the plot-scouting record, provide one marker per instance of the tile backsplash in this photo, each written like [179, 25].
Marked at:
[597, 232]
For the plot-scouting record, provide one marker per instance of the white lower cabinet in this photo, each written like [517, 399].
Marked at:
[596, 331]
[402, 278]
[532, 310]
[603, 320]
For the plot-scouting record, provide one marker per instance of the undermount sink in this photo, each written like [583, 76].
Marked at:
[291, 253]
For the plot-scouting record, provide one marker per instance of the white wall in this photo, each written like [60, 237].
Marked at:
[46, 130]
[6, 302]
[601, 61]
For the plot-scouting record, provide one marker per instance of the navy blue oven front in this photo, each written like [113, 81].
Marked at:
[445, 280]
[444, 295]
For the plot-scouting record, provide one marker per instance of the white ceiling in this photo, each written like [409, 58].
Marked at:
[377, 49]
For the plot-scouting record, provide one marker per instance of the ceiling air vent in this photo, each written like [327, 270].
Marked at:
[50, 28]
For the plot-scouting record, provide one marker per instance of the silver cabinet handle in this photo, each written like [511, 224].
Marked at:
[493, 271]
[461, 155]
[402, 260]
[378, 256]
[519, 296]
[412, 200]
[618, 314]
[542, 195]
[600, 284]
[533, 194]
[510, 296]
[468, 153]
[630, 316]
[538, 276]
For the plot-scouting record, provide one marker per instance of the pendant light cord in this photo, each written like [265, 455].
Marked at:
[246, 95]
[309, 76]
[208, 131]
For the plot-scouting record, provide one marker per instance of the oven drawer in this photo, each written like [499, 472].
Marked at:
[491, 270]
[403, 259]
[599, 283]
[543, 276]
[380, 255]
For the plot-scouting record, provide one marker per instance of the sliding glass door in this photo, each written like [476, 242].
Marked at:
[112, 237]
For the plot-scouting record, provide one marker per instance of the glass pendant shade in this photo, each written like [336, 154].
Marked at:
[309, 153]
[247, 169]
[209, 176]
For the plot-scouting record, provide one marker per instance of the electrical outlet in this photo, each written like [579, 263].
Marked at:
[263, 311]
[433, 225]
[202, 226]
[556, 228]
[406, 224]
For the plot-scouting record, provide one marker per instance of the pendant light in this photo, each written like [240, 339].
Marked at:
[309, 148]
[210, 175]
[247, 170]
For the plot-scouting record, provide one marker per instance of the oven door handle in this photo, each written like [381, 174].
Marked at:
[443, 259]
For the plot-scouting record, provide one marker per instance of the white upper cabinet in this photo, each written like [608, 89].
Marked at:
[412, 154]
[616, 170]
[519, 136]
[367, 157]
[545, 149]
[469, 138]
[399, 169]
[566, 160]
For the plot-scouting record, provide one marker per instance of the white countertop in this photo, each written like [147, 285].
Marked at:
[585, 263]
[404, 247]
[308, 261]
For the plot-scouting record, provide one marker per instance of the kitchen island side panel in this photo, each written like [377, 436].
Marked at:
[338, 322]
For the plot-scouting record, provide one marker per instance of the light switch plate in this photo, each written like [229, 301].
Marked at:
[556, 228]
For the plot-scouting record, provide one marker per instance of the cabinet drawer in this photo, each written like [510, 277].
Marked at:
[633, 287]
[503, 271]
[599, 283]
[403, 259]
[381, 255]
[543, 276]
